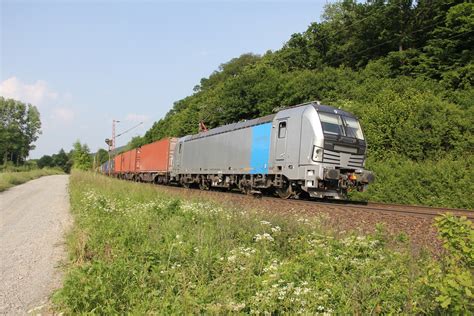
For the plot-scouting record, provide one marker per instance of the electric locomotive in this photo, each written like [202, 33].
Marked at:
[311, 149]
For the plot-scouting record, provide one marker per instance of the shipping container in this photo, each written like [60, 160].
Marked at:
[156, 157]
[129, 161]
[118, 163]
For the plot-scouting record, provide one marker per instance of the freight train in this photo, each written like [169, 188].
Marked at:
[308, 149]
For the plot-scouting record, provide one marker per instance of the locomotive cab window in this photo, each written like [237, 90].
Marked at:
[353, 128]
[179, 149]
[331, 123]
[282, 130]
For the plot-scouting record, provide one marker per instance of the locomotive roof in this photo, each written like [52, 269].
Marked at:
[232, 127]
[331, 109]
[262, 120]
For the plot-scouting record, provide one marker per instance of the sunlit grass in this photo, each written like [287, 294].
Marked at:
[10, 179]
[136, 250]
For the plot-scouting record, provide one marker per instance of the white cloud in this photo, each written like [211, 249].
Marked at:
[37, 93]
[63, 114]
[133, 117]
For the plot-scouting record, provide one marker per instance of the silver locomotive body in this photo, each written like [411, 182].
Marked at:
[310, 148]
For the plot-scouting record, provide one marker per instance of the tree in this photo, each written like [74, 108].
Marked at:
[101, 156]
[81, 156]
[20, 127]
[45, 161]
[62, 160]
[136, 142]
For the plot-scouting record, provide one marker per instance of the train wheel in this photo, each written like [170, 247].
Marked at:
[203, 185]
[286, 191]
[247, 190]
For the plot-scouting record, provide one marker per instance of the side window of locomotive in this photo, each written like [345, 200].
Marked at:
[179, 150]
[282, 130]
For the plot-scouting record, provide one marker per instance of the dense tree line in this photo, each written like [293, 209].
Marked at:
[79, 157]
[404, 67]
[60, 160]
[20, 126]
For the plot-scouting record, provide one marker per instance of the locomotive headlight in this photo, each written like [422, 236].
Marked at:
[317, 154]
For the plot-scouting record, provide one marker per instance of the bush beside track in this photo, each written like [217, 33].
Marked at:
[10, 179]
[136, 250]
[443, 183]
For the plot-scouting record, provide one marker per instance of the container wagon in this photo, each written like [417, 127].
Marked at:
[107, 167]
[148, 163]
[154, 161]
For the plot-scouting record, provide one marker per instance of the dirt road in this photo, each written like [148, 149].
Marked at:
[33, 219]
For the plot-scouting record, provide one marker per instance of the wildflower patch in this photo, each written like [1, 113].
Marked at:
[135, 251]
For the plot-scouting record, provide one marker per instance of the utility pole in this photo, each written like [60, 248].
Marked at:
[113, 135]
[111, 142]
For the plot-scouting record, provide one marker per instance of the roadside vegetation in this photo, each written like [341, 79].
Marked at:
[10, 179]
[445, 182]
[136, 250]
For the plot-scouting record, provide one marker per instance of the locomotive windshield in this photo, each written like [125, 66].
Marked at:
[340, 125]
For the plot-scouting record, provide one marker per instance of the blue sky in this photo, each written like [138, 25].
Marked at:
[84, 63]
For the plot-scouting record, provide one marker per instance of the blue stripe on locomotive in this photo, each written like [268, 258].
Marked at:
[260, 152]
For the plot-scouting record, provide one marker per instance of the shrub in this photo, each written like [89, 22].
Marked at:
[452, 280]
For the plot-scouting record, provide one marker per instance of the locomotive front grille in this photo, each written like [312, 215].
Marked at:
[345, 160]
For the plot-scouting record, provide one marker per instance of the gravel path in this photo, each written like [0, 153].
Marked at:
[33, 219]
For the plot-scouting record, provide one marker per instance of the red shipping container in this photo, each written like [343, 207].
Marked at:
[118, 163]
[129, 161]
[157, 156]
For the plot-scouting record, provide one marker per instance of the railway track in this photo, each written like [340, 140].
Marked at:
[381, 208]
[408, 210]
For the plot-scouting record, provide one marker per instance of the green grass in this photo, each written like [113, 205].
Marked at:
[10, 179]
[135, 250]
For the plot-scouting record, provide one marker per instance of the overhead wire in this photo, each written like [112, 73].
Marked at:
[128, 130]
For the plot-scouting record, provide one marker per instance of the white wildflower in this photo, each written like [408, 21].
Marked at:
[276, 229]
[263, 237]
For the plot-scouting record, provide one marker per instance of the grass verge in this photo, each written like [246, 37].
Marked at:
[135, 250]
[10, 179]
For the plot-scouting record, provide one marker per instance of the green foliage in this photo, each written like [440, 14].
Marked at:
[135, 142]
[81, 157]
[406, 117]
[45, 161]
[447, 182]
[60, 160]
[20, 126]
[453, 281]
[135, 250]
[101, 156]
[457, 234]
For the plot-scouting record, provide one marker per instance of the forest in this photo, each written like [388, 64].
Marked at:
[405, 68]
